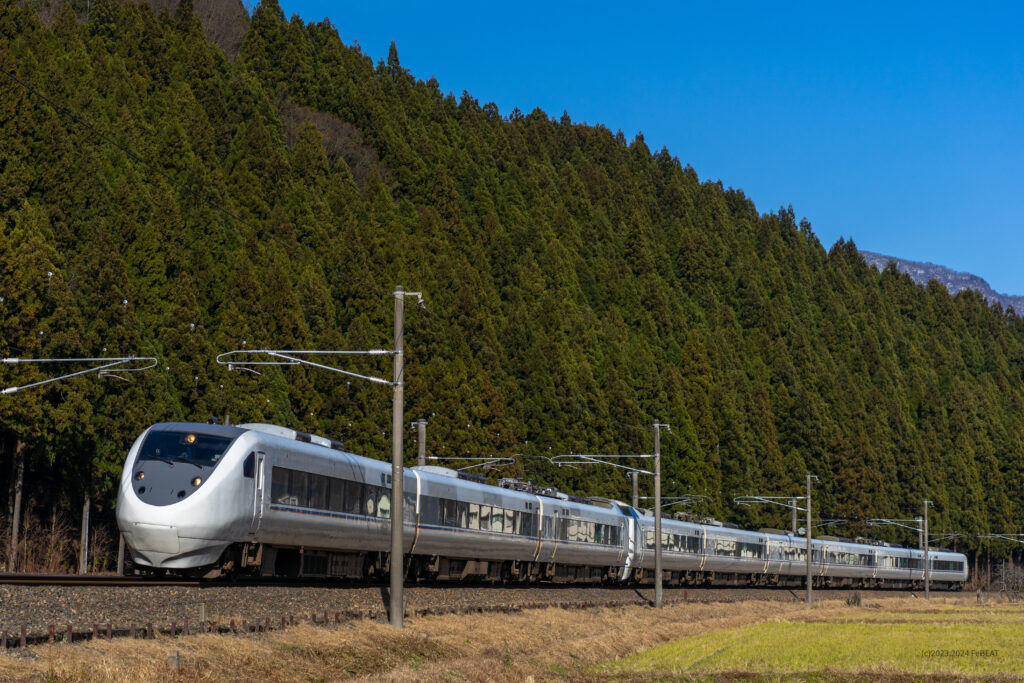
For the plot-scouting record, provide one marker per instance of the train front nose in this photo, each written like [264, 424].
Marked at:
[161, 525]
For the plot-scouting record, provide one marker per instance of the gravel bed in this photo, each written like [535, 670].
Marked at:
[39, 607]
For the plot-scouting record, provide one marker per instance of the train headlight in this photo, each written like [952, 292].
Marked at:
[197, 481]
[139, 476]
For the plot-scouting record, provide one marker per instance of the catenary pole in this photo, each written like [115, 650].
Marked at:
[421, 442]
[658, 591]
[792, 504]
[810, 579]
[636, 490]
[83, 547]
[397, 605]
[924, 536]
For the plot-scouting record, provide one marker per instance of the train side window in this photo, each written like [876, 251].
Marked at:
[336, 495]
[317, 492]
[384, 504]
[498, 520]
[369, 498]
[298, 489]
[354, 497]
[485, 517]
[474, 516]
[510, 522]
[249, 466]
[279, 485]
[447, 513]
[463, 508]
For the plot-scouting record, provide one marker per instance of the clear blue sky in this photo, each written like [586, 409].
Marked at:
[900, 125]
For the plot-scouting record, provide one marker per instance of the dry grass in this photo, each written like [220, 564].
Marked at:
[544, 644]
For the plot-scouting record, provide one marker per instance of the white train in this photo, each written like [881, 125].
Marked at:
[266, 500]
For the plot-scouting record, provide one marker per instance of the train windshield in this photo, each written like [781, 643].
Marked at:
[201, 450]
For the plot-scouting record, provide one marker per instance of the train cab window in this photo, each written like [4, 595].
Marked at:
[249, 466]
[179, 446]
[384, 504]
[474, 516]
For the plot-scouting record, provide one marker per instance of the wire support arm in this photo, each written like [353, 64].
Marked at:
[294, 357]
[571, 460]
[484, 463]
[772, 500]
[110, 365]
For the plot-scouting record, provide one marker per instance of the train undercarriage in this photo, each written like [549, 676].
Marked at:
[257, 560]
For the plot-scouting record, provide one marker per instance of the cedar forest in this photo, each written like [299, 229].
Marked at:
[159, 197]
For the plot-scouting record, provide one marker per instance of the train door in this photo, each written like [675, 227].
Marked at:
[259, 462]
[632, 538]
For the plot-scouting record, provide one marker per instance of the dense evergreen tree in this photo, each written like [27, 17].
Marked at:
[579, 286]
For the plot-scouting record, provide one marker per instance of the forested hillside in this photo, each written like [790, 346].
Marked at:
[578, 285]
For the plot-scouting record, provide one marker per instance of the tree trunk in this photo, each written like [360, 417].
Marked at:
[19, 484]
[83, 547]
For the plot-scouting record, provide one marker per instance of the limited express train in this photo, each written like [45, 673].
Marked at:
[266, 500]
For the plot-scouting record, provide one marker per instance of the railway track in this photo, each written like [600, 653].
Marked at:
[41, 608]
[92, 580]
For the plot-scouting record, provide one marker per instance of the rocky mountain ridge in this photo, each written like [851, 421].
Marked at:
[954, 281]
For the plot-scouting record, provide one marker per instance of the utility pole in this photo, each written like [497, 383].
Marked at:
[810, 578]
[397, 606]
[636, 492]
[924, 536]
[19, 486]
[83, 548]
[421, 442]
[658, 590]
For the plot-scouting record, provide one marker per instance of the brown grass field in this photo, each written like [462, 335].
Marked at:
[705, 641]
